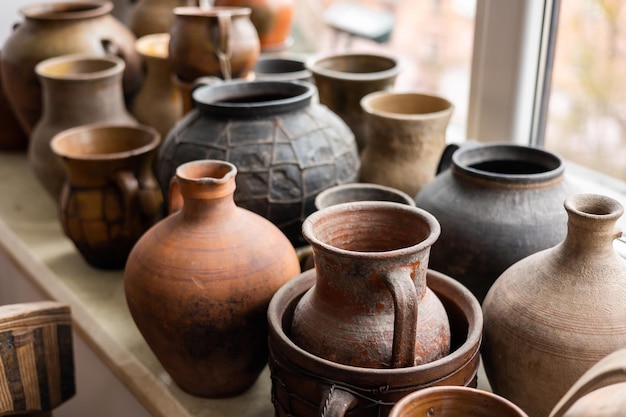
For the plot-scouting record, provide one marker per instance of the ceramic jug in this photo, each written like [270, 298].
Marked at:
[199, 282]
[61, 28]
[159, 102]
[370, 306]
[110, 197]
[76, 90]
[553, 314]
[406, 136]
[287, 147]
[496, 203]
[217, 41]
[344, 78]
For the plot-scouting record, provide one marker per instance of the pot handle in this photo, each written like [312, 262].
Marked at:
[222, 43]
[405, 302]
[337, 402]
[608, 371]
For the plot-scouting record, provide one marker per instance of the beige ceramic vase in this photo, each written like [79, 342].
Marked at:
[77, 90]
[158, 103]
[552, 315]
[406, 136]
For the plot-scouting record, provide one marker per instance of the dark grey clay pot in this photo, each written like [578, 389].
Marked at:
[496, 204]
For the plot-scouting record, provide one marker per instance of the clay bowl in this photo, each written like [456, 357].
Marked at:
[358, 191]
[455, 402]
[303, 382]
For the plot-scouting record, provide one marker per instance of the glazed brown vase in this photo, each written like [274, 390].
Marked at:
[304, 384]
[406, 136]
[218, 41]
[496, 203]
[61, 28]
[199, 282]
[110, 197]
[344, 78]
[370, 306]
[553, 314]
[159, 102]
[76, 90]
[271, 18]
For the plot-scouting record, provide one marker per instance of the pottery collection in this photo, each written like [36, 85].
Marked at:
[76, 90]
[198, 287]
[286, 147]
[302, 214]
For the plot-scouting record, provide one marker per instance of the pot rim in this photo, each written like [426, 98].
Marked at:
[313, 64]
[202, 12]
[362, 186]
[466, 156]
[448, 365]
[368, 101]
[153, 143]
[212, 99]
[362, 206]
[66, 10]
[117, 68]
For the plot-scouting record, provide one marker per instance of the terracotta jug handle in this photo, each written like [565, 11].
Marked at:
[608, 371]
[222, 44]
[337, 402]
[129, 186]
[405, 302]
[175, 198]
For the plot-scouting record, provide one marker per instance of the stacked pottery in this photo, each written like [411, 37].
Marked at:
[287, 149]
[199, 282]
[158, 103]
[110, 197]
[61, 28]
[77, 90]
[552, 315]
[364, 318]
[343, 79]
[497, 203]
[406, 136]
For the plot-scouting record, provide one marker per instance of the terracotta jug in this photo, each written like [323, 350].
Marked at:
[271, 18]
[110, 197]
[76, 90]
[155, 16]
[406, 136]
[303, 384]
[496, 203]
[287, 148]
[159, 102]
[199, 282]
[600, 392]
[552, 315]
[344, 78]
[451, 401]
[61, 28]
[370, 306]
[224, 38]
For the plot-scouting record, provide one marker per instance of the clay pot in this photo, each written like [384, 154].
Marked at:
[271, 18]
[61, 28]
[358, 191]
[497, 203]
[406, 136]
[303, 383]
[455, 402]
[286, 148]
[552, 315]
[76, 90]
[217, 41]
[199, 282]
[278, 68]
[159, 102]
[343, 79]
[600, 392]
[110, 197]
[154, 16]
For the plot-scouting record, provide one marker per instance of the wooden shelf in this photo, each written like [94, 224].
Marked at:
[31, 236]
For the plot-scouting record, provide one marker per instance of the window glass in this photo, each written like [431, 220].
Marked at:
[586, 116]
